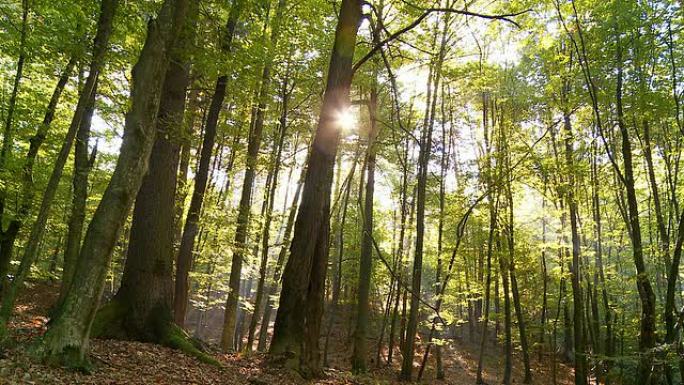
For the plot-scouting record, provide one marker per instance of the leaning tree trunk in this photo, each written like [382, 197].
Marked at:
[107, 11]
[253, 146]
[67, 337]
[297, 326]
[9, 236]
[184, 258]
[82, 166]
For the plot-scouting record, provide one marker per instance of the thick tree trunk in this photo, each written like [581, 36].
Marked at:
[185, 257]
[142, 308]
[297, 324]
[108, 9]
[67, 337]
[253, 146]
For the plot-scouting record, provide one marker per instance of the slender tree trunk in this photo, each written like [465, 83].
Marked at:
[423, 162]
[647, 336]
[578, 305]
[7, 140]
[514, 281]
[273, 287]
[8, 237]
[82, 166]
[360, 352]
[68, 335]
[108, 9]
[269, 214]
[401, 244]
[508, 340]
[185, 257]
[245, 199]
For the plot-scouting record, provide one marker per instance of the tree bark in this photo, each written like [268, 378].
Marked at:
[67, 337]
[142, 308]
[273, 287]
[297, 326]
[647, 336]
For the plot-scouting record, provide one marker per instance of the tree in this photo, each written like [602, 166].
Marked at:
[297, 325]
[67, 338]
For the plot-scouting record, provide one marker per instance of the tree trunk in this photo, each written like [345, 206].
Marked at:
[185, 257]
[82, 166]
[297, 326]
[269, 216]
[142, 308]
[108, 9]
[253, 146]
[647, 336]
[8, 237]
[273, 287]
[578, 306]
[67, 337]
[360, 352]
[7, 141]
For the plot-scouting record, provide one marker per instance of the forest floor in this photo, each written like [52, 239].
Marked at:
[121, 362]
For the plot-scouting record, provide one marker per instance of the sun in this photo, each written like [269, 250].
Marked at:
[346, 119]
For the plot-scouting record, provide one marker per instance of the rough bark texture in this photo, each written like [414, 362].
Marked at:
[144, 302]
[67, 337]
[297, 326]
[184, 259]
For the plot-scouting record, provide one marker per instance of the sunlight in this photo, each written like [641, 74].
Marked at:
[346, 120]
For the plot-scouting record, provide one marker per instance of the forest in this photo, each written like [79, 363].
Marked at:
[341, 192]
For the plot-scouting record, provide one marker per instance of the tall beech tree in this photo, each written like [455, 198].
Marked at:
[142, 309]
[67, 337]
[297, 325]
